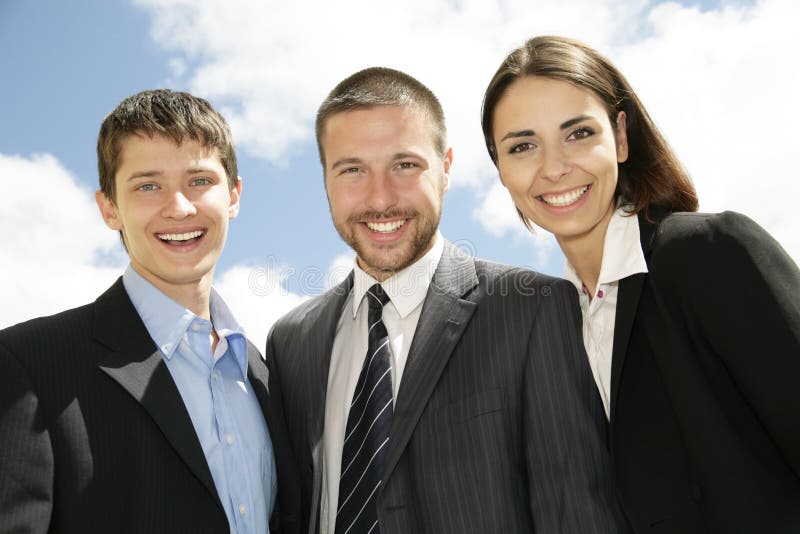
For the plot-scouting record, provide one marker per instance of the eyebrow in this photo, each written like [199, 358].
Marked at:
[359, 161]
[345, 161]
[528, 133]
[144, 174]
[155, 172]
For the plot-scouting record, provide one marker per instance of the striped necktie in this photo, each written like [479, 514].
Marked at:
[368, 424]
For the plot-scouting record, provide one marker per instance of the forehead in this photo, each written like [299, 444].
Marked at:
[142, 149]
[361, 129]
[538, 95]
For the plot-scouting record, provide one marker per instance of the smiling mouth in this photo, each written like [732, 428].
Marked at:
[180, 239]
[564, 199]
[385, 227]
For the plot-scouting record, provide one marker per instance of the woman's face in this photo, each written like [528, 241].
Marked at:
[557, 155]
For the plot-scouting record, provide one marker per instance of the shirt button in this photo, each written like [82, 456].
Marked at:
[195, 327]
[214, 375]
[242, 509]
[229, 439]
[600, 294]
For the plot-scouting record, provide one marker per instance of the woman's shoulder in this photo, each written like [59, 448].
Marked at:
[692, 245]
[703, 234]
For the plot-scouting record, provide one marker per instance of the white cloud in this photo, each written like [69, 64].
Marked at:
[258, 296]
[57, 253]
[272, 63]
[718, 85]
[716, 81]
[339, 268]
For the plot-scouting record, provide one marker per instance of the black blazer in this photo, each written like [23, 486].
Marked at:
[497, 425]
[94, 435]
[705, 408]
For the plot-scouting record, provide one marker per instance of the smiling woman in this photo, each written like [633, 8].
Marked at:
[698, 381]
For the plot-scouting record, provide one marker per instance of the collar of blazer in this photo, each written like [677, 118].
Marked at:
[135, 363]
[630, 290]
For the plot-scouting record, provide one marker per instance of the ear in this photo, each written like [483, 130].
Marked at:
[621, 136]
[448, 161]
[108, 210]
[236, 193]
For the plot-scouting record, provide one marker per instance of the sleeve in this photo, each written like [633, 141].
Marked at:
[569, 470]
[738, 292]
[26, 459]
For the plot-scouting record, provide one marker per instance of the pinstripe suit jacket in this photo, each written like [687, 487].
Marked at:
[497, 423]
[94, 435]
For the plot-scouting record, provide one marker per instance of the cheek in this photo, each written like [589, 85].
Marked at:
[600, 162]
[515, 177]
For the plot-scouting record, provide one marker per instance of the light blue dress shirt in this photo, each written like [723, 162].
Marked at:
[221, 402]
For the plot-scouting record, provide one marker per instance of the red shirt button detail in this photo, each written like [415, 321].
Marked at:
[600, 294]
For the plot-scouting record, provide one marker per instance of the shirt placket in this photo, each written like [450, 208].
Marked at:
[236, 477]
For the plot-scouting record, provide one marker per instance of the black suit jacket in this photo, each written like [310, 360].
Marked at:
[94, 435]
[497, 424]
[705, 409]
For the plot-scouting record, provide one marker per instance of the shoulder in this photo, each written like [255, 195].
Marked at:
[39, 330]
[519, 282]
[311, 307]
[40, 341]
[691, 239]
[702, 255]
[706, 228]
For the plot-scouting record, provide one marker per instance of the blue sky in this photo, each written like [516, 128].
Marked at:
[711, 73]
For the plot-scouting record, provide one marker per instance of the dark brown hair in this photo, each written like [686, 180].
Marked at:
[172, 114]
[381, 86]
[652, 174]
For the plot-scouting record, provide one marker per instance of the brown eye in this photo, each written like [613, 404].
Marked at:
[581, 133]
[521, 147]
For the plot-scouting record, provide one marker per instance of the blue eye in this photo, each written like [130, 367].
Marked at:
[146, 187]
[201, 181]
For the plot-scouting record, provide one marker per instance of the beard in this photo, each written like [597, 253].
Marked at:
[385, 259]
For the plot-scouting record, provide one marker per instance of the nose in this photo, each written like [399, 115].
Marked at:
[381, 192]
[554, 164]
[178, 206]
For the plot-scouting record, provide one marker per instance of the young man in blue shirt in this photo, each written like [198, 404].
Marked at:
[147, 410]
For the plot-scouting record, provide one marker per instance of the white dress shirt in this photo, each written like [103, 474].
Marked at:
[407, 290]
[622, 257]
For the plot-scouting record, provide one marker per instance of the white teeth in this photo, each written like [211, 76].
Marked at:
[180, 237]
[385, 226]
[565, 199]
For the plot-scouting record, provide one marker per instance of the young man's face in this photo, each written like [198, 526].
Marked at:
[385, 184]
[173, 204]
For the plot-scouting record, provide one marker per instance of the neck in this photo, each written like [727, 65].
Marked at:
[193, 295]
[585, 251]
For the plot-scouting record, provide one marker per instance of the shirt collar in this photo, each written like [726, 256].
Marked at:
[622, 251]
[406, 288]
[167, 321]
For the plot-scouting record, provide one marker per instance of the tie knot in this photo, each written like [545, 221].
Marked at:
[377, 297]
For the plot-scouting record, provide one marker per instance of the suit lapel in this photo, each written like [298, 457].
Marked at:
[136, 364]
[630, 289]
[445, 315]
